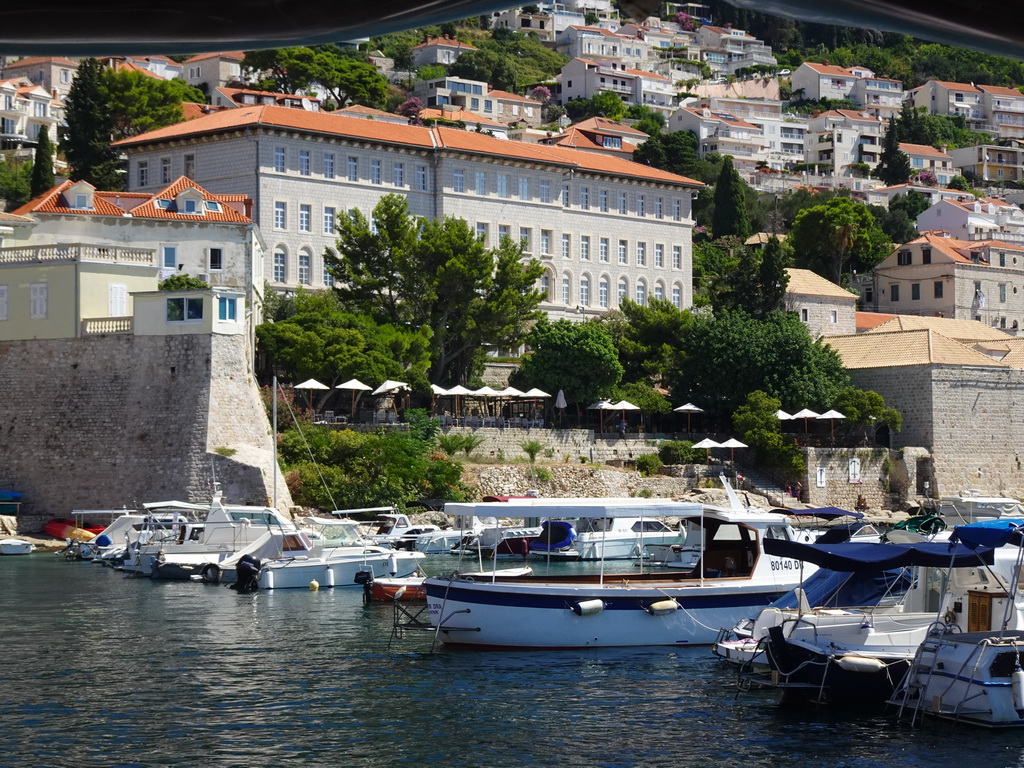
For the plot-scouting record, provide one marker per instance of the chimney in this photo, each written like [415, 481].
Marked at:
[942, 148]
[727, 25]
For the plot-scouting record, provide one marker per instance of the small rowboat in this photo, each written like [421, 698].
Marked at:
[15, 547]
[407, 590]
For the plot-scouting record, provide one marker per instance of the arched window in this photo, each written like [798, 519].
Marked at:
[677, 297]
[280, 264]
[623, 289]
[545, 286]
[585, 291]
[659, 291]
[602, 292]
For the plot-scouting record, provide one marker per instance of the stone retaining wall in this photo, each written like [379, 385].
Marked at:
[105, 422]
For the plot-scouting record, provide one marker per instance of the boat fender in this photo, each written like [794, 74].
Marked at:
[400, 592]
[587, 607]
[662, 607]
[1017, 684]
[393, 565]
[328, 577]
[860, 664]
[211, 574]
[314, 585]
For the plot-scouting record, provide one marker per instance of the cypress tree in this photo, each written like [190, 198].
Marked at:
[42, 164]
[730, 215]
[85, 137]
[893, 165]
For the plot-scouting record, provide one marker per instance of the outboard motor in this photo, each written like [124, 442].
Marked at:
[248, 570]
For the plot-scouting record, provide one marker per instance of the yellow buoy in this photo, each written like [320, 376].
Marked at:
[314, 585]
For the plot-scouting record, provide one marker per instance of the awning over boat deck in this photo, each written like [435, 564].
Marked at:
[825, 513]
[881, 557]
[176, 505]
[575, 508]
[990, 533]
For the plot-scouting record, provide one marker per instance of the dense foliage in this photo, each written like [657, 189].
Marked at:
[85, 136]
[837, 237]
[437, 276]
[343, 73]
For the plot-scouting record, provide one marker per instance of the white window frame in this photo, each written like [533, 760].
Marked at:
[305, 218]
[210, 259]
[280, 159]
[329, 220]
[38, 301]
[280, 215]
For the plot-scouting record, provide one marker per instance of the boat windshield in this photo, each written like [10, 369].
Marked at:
[260, 518]
[594, 524]
[331, 534]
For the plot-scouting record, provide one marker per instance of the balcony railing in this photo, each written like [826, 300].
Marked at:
[94, 326]
[77, 252]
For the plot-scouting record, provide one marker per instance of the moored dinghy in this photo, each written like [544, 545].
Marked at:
[15, 547]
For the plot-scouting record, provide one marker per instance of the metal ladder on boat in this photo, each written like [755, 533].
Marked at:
[910, 694]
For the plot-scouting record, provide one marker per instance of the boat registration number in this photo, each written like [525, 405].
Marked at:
[785, 565]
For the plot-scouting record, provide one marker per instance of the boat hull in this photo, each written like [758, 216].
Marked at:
[15, 547]
[575, 615]
[299, 574]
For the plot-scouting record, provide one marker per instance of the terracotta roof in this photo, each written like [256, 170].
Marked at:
[879, 349]
[359, 109]
[120, 65]
[804, 282]
[34, 61]
[458, 114]
[956, 86]
[451, 42]
[598, 30]
[922, 149]
[830, 69]
[605, 125]
[579, 139]
[850, 114]
[724, 31]
[723, 117]
[231, 93]
[868, 320]
[648, 75]
[1014, 356]
[393, 133]
[506, 96]
[11, 218]
[762, 238]
[191, 110]
[239, 55]
[950, 328]
[138, 204]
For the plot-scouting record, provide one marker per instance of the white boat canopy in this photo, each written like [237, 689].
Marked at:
[611, 507]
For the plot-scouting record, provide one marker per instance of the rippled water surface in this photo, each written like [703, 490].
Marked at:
[103, 670]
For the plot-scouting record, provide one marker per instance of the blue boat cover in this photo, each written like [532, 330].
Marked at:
[881, 557]
[555, 535]
[826, 513]
[825, 588]
[990, 533]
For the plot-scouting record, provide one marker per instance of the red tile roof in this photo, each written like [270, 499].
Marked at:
[506, 96]
[394, 133]
[922, 149]
[450, 42]
[34, 61]
[998, 90]
[830, 69]
[458, 114]
[359, 109]
[239, 55]
[137, 204]
[866, 320]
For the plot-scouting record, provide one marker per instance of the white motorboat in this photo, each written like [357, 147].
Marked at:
[733, 577]
[329, 552]
[604, 538]
[15, 547]
[395, 529]
[178, 533]
[860, 655]
[976, 676]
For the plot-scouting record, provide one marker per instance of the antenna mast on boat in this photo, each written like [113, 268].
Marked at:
[273, 401]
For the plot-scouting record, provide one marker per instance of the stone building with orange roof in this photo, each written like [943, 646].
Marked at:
[940, 276]
[53, 73]
[604, 227]
[87, 251]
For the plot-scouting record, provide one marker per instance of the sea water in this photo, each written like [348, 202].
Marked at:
[100, 669]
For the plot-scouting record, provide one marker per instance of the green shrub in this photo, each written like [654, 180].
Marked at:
[543, 474]
[648, 464]
[680, 452]
[451, 444]
[531, 448]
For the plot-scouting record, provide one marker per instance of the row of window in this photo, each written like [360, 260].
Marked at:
[38, 300]
[482, 183]
[580, 294]
[304, 267]
[184, 309]
[169, 258]
[328, 218]
[142, 170]
[937, 292]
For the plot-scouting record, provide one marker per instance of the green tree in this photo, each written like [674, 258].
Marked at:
[730, 216]
[348, 81]
[577, 358]
[436, 275]
[15, 182]
[321, 340]
[731, 354]
[772, 279]
[840, 235]
[674, 152]
[648, 338]
[42, 164]
[136, 102]
[865, 410]
[760, 429]
[182, 283]
[959, 182]
[893, 165]
[85, 137]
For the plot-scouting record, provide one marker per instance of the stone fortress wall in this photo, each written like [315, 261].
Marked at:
[112, 421]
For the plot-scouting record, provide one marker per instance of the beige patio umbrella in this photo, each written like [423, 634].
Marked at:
[689, 409]
[831, 416]
[356, 386]
[601, 406]
[732, 444]
[310, 385]
[805, 414]
[707, 444]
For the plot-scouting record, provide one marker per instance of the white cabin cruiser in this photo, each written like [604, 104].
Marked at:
[733, 576]
[604, 538]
